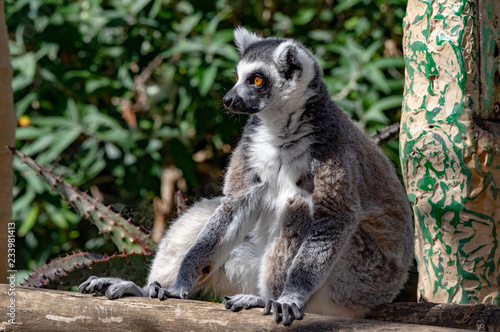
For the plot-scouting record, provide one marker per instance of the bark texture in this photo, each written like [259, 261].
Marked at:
[7, 128]
[450, 146]
[477, 317]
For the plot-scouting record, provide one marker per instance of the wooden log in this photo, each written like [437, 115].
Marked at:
[50, 310]
[478, 317]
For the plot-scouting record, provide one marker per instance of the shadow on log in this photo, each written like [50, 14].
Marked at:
[477, 317]
[50, 310]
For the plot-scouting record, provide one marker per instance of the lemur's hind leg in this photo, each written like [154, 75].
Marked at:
[238, 273]
[177, 241]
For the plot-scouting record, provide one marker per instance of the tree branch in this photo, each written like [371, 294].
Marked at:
[386, 134]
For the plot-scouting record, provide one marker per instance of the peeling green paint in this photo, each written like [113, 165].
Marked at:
[451, 160]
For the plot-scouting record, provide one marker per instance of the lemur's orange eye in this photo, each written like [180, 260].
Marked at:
[236, 77]
[258, 80]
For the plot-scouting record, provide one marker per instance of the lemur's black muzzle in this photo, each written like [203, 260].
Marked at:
[233, 102]
[229, 99]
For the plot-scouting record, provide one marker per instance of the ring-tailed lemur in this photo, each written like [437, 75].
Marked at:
[312, 217]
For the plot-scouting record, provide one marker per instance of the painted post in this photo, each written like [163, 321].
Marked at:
[450, 146]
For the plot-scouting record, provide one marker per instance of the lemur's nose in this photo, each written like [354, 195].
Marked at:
[227, 101]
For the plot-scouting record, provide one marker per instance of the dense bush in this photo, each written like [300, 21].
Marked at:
[109, 92]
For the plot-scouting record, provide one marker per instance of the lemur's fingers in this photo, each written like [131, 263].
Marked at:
[290, 308]
[153, 289]
[162, 296]
[276, 312]
[296, 312]
[286, 309]
[84, 286]
[156, 291]
[95, 284]
[267, 308]
[285, 315]
[228, 302]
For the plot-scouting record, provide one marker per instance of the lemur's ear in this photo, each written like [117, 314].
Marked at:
[289, 60]
[244, 38]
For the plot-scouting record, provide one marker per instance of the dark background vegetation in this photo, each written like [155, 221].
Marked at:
[109, 92]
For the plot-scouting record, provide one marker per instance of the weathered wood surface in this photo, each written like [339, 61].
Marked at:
[478, 317]
[50, 310]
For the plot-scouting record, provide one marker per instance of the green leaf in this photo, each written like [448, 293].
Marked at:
[207, 79]
[90, 152]
[29, 133]
[29, 221]
[376, 111]
[62, 140]
[321, 35]
[187, 24]
[184, 100]
[23, 203]
[39, 145]
[351, 23]
[184, 47]
[138, 5]
[51, 121]
[96, 168]
[185, 7]
[25, 102]
[93, 85]
[56, 215]
[345, 4]
[227, 51]
[125, 78]
[47, 75]
[154, 145]
[378, 79]
[396, 62]
[223, 36]
[72, 111]
[26, 67]
[212, 26]
[370, 51]
[304, 16]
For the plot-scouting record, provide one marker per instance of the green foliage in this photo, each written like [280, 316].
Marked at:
[112, 91]
[127, 237]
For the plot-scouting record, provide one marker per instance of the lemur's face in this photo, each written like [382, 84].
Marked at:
[270, 72]
[254, 86]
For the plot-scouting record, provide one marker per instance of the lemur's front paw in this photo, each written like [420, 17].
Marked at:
[285, 308]
[94, 284]
[156, 291]
[243, 301]
[119, 290]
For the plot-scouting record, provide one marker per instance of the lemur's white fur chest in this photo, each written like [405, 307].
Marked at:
[279, 158]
